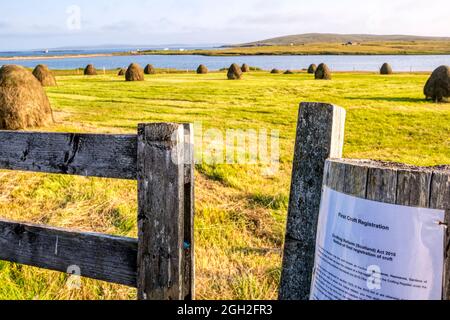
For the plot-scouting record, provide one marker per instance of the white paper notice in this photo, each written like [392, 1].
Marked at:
[369, 250]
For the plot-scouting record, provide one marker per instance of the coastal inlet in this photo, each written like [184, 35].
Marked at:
[408, 63]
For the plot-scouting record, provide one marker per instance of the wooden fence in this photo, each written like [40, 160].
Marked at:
[160, 262]
[317, 162]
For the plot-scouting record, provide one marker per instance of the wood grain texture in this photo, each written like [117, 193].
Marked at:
[320, 135]
[346, 178]
[413, 188]
[337, 179]
[382, 185]
[98, 256]
[109, 156]
[355, 181]
[427, 187]
[188, 257]
[161, 212]
[440, 199]
[440, 191]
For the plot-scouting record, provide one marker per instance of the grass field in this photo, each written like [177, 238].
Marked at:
[240, 213]
[328, 48]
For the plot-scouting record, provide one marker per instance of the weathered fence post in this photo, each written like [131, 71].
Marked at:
[189, 164]
[440, 199]
[395, 184]
[320, 135]
[161, 182]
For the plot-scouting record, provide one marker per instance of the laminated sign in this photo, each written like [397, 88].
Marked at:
[369, 250]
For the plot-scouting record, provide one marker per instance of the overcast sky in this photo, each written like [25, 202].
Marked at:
[27, 24]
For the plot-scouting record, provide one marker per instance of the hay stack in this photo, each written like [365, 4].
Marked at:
[288, 72]
[312, 69]
[122, 72]
[245, 68]
[275, 71]
[234, 72]
[323, 72]
[134, 73]
[44, 75]
[437, 87]
[23, 102]
[149, 69]
[202, 69]
[386, 69]
[90, 70]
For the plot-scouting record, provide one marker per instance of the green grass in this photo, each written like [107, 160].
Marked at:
[240, 213]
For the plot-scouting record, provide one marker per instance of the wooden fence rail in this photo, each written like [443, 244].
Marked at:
[107, 156]
[159, 263]
[98, 256]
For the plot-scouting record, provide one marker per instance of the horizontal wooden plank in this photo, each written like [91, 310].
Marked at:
[97, 155]
[98, 256]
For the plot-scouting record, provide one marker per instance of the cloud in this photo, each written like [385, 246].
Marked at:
[203, 21]
[4, 25]
[268, 19]
[119, 26]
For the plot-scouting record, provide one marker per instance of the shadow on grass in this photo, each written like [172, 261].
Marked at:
[389, 99]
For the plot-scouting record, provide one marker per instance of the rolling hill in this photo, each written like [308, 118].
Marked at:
[337, 38]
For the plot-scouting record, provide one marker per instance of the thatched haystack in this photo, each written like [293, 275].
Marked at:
[149, 69]
[323, 72]
[134, 73]
[122, 72]
[437, 87]
[23, 101]
[245, 68]
[234, 72]
[312, 68]
[44, 75]
[288, 72]
[90, 70]
[202, 69]
[275, 71]
[386, 69]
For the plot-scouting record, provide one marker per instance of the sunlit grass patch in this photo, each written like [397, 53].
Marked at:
[240, 212]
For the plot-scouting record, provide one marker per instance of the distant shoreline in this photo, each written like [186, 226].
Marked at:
[244, 54]
[68, 56]
[326, 49]
[317, 50]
